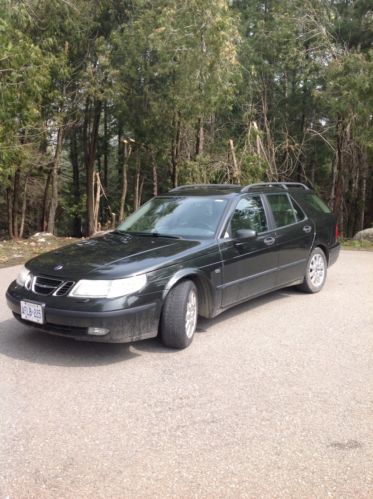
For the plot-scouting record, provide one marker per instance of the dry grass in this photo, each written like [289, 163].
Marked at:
[17, 252]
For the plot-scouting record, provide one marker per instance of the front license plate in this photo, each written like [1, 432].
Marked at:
[33, 312]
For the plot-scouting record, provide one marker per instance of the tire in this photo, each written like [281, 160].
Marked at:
[179, 315]
[316, 272]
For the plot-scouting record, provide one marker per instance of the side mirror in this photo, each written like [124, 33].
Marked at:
[246, 234]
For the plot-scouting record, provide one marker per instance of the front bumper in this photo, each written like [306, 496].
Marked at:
[125, 325]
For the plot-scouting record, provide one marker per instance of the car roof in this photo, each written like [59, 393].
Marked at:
[232, 190]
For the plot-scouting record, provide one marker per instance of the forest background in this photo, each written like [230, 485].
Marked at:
[105, 103]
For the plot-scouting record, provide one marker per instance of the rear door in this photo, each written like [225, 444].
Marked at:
[249, 265]
[294, 235]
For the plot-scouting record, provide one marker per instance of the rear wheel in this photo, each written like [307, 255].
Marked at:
[179, 315]
[315, 277]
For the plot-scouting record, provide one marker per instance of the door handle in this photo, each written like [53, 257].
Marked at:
[307, 229]
[269, 241]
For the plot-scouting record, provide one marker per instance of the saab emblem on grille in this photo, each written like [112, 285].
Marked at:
[58, 267]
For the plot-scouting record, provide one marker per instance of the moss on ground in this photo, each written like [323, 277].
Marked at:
[352, 244]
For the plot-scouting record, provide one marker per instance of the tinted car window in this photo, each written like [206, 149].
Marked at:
[299, 215]
[249, 214]
[282, 209]
[317, 204]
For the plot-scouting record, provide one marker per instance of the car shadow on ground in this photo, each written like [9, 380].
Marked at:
[261, 301]
[205, 325]
[31, 345]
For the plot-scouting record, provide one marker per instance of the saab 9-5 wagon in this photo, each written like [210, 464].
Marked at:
[197, 250]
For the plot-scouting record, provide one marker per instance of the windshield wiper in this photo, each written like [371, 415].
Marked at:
[153, 234]
[121, 232]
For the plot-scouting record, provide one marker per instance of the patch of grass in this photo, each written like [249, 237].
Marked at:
[352, 244]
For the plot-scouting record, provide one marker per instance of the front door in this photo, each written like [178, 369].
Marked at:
[248, 264]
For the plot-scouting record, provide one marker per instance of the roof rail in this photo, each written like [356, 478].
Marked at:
[204, 186]
[283, 185]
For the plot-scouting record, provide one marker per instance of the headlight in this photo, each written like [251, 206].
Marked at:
[108, 289]
[23, 277]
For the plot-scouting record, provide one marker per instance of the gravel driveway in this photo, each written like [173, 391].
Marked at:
[272, 399]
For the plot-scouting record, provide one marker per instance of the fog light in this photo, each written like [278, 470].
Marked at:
[98, 331]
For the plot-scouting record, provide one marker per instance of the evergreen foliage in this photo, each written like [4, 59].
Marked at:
[104, 104]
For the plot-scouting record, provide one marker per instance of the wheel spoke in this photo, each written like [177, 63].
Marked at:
[191, 314]
[317, 270]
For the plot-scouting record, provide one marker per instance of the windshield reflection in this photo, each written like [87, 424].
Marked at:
[189, 217]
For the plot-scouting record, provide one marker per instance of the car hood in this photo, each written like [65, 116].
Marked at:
[113, 255]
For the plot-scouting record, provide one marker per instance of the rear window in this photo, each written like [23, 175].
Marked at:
[317, 204]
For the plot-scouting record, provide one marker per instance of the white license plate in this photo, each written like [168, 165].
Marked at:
[33, 312]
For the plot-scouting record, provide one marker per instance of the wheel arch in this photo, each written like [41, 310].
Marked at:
[324, 248]
[204, 289]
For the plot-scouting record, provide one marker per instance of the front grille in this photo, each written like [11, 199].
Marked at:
[64, 289]
[48, 286]
[45, 285]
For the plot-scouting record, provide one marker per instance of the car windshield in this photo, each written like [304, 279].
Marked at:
[189, 217]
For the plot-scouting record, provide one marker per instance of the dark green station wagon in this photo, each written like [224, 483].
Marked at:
[197, 250]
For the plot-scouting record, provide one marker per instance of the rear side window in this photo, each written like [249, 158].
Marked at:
[249, 214]
[282, 209]
[299, 215]
[317, 204]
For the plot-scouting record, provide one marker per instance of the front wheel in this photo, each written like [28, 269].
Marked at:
[315, 277]
[179, 315]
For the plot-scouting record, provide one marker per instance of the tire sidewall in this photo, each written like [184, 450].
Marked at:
[173, 321]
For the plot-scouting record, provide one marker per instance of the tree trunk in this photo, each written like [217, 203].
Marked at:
[120, 150]
[106, 148]
[90, 138]
[175, 150]
[124, 182]
[77, 224]
[54, 180]
[96, 208]
[23, 213]
[363, 192]
[155, 175]
[301, 168]
[236, 171]
[338, 175]
[9, 198]
[136, 191]
[141, 188]
[269, 150]
[200, 137]
[42, 151]
[43, 222]
[15, 206]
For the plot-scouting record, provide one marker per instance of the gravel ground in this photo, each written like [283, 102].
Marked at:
[273, 399]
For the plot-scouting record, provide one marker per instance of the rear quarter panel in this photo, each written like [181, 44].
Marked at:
[325, 223]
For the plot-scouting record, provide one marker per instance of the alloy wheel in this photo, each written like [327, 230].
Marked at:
[317, 270]
[191, 314]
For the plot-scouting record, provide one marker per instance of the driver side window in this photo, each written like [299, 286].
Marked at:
[249, 214]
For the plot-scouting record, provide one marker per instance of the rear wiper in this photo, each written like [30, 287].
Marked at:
[154, 234]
